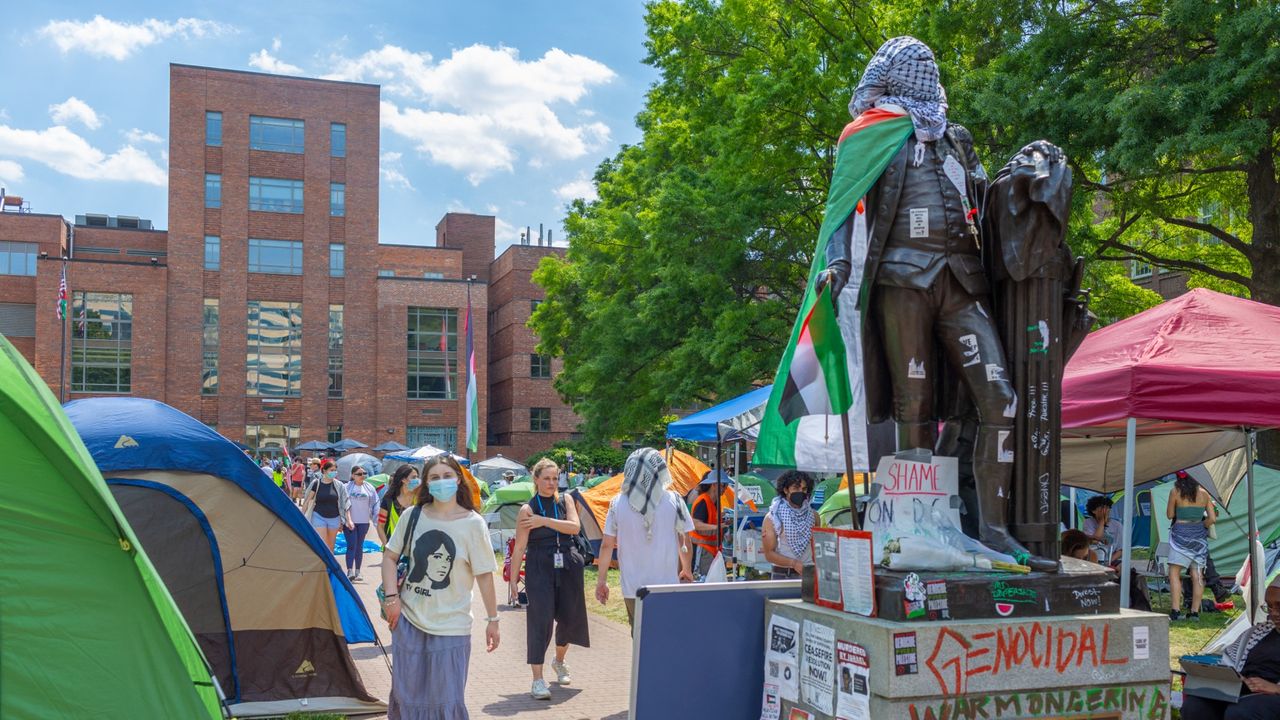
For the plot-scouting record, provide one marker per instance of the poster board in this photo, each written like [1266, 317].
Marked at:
[905, 492]
[842, 570]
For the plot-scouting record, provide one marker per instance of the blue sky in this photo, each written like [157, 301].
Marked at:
[489, 106]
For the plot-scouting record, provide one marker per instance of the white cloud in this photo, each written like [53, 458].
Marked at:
[275, 44]
[482, 108]
[136, 136]
[70, 154]
[75, 109]
[392, 171]
[582, 187]
[118, 40]
[10, 173]
[266, 62]
[504, 235]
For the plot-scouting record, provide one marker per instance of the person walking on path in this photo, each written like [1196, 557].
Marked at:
[327, 505]
[364, 509]
[649, 525]
[1191, 514]
[448, 550]
[546, 526]
[400, 493]
[787, 534]
[297, 478]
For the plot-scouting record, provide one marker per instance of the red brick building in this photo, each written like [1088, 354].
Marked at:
[268, 310]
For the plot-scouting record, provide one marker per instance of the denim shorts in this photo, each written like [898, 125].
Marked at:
[319, 521]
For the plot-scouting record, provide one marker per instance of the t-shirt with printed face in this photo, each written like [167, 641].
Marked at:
[444, 558]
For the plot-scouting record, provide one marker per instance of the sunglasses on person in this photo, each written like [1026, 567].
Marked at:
[361, 473]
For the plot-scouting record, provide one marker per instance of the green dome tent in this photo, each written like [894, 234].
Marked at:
[762, 487]
[505, 502]
[89, 628]
[835, 511]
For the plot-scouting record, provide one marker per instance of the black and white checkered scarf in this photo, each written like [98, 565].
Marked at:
[903, 72]
[1237, 652]
[645, 480]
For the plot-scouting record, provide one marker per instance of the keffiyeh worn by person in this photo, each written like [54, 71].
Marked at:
[795, 525]
[644, 483]
[903, 72]
[1238, 652]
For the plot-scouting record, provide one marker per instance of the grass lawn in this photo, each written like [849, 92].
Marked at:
[1186, 637]
[614, 609]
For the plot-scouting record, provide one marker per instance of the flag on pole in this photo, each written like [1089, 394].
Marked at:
[473, 400]
[444, 350]
[62, 294]
[820, 372]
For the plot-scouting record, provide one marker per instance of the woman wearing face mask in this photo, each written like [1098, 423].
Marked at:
[553, 576]
[327, 504]
[401, 493]
[447, 545]
[789, 524]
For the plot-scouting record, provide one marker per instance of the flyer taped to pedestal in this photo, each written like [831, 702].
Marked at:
[853, 686]
[818, 666]
[781, 662]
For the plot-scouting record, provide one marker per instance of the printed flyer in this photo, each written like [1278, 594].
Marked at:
[853, 689]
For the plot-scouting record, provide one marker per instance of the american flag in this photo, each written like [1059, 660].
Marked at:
[62, 294]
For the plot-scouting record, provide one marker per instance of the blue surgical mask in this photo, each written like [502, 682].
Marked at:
[443, 489]
[414, 482]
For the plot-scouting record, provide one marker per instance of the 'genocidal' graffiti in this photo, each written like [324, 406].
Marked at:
[957, 657]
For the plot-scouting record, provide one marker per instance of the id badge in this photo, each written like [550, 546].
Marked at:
[557, 560]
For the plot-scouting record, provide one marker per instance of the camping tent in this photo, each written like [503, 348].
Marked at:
[88, 628]
[505, 502]
[1202, 359]
[491, 470]
[371, 465]
[270, 606]
[729, 421]
[686, 473]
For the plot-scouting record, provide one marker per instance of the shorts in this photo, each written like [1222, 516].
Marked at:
[320, 522]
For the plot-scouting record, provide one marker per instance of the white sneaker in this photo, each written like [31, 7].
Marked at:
[539, 690]
[359, 576]
[562, 672]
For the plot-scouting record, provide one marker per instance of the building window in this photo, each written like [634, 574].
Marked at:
[338, 140]
[432, 345]
[212, 190]
[18, 319]
[335, 351]
[1139, 270]
[334, 434]
[433, 275]
[101, 342]
[209, 374]
[539, 366]
[275, 195]
[18, 258]
[386, 273]
[337, 259]
[274, 352]
[271, 439]
[337, 199]
[533, 306]
[445, 438]
[212, 252]
[280, 257]
[539, 419]
[276, 134]
[213, 129]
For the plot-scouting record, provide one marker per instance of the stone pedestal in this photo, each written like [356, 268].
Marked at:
[1111, 666]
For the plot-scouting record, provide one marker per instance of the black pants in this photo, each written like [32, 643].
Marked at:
[556, 597]
[355, 545]
[1250, 707]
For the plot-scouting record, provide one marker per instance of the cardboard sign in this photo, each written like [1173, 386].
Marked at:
[905, 492]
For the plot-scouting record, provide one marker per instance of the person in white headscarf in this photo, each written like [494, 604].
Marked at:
[649, 525]
[1256, 657]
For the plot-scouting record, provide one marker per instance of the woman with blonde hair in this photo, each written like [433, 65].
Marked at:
[546, 526]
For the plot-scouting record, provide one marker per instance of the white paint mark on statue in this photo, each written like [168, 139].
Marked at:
[1004, 453]
[915, 369]
[995, 373]
[903, 495]
[970, 349]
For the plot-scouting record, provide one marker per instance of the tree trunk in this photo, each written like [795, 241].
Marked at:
[1264, 215]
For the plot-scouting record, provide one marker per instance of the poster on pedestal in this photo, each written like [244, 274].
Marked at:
[842, 570]
[781, 662]
[853, 687]
[905, 493]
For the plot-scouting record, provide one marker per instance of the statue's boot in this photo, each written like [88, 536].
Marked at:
[994, 480]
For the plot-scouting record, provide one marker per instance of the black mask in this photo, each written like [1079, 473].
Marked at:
[797, 498]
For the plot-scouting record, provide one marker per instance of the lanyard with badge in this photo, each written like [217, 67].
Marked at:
[557, 560]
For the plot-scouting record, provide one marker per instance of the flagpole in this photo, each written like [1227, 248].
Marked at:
[848, 469]
[466, 402]
[62, 354]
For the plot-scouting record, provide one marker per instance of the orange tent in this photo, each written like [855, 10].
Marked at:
[686, 473]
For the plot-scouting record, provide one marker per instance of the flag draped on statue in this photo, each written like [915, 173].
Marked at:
[62, 294]
[820, 375]
[473, 400]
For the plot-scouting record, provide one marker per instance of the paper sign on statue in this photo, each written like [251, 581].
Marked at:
[905, 493]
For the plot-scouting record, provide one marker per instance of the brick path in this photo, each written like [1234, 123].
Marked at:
[498, 685]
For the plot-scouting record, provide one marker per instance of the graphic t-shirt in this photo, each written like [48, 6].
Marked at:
[444, 558]
[364, 502]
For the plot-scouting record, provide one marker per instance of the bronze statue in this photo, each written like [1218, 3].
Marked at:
[931, 347]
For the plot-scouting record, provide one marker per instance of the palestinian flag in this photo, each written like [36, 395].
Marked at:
[473, 399]
[819, 372]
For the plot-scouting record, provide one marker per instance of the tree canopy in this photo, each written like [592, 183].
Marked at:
[683, 278]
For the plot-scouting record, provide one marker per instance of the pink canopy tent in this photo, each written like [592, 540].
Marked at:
[1181, 374]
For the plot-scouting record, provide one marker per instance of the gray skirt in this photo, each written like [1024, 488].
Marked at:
[428, 674]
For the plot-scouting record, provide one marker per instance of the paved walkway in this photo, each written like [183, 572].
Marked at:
[498, 685]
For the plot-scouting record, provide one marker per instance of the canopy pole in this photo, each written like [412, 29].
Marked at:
[719, 470]
[848, 469]
[1257, 575]
[1131, 437]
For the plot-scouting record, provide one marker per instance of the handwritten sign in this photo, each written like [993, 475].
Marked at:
[905, 492]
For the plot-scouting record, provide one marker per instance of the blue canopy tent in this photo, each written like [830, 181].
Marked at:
[729, 421]
[267, 601]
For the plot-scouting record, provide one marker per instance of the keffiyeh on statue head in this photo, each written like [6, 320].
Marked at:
[903, 72]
